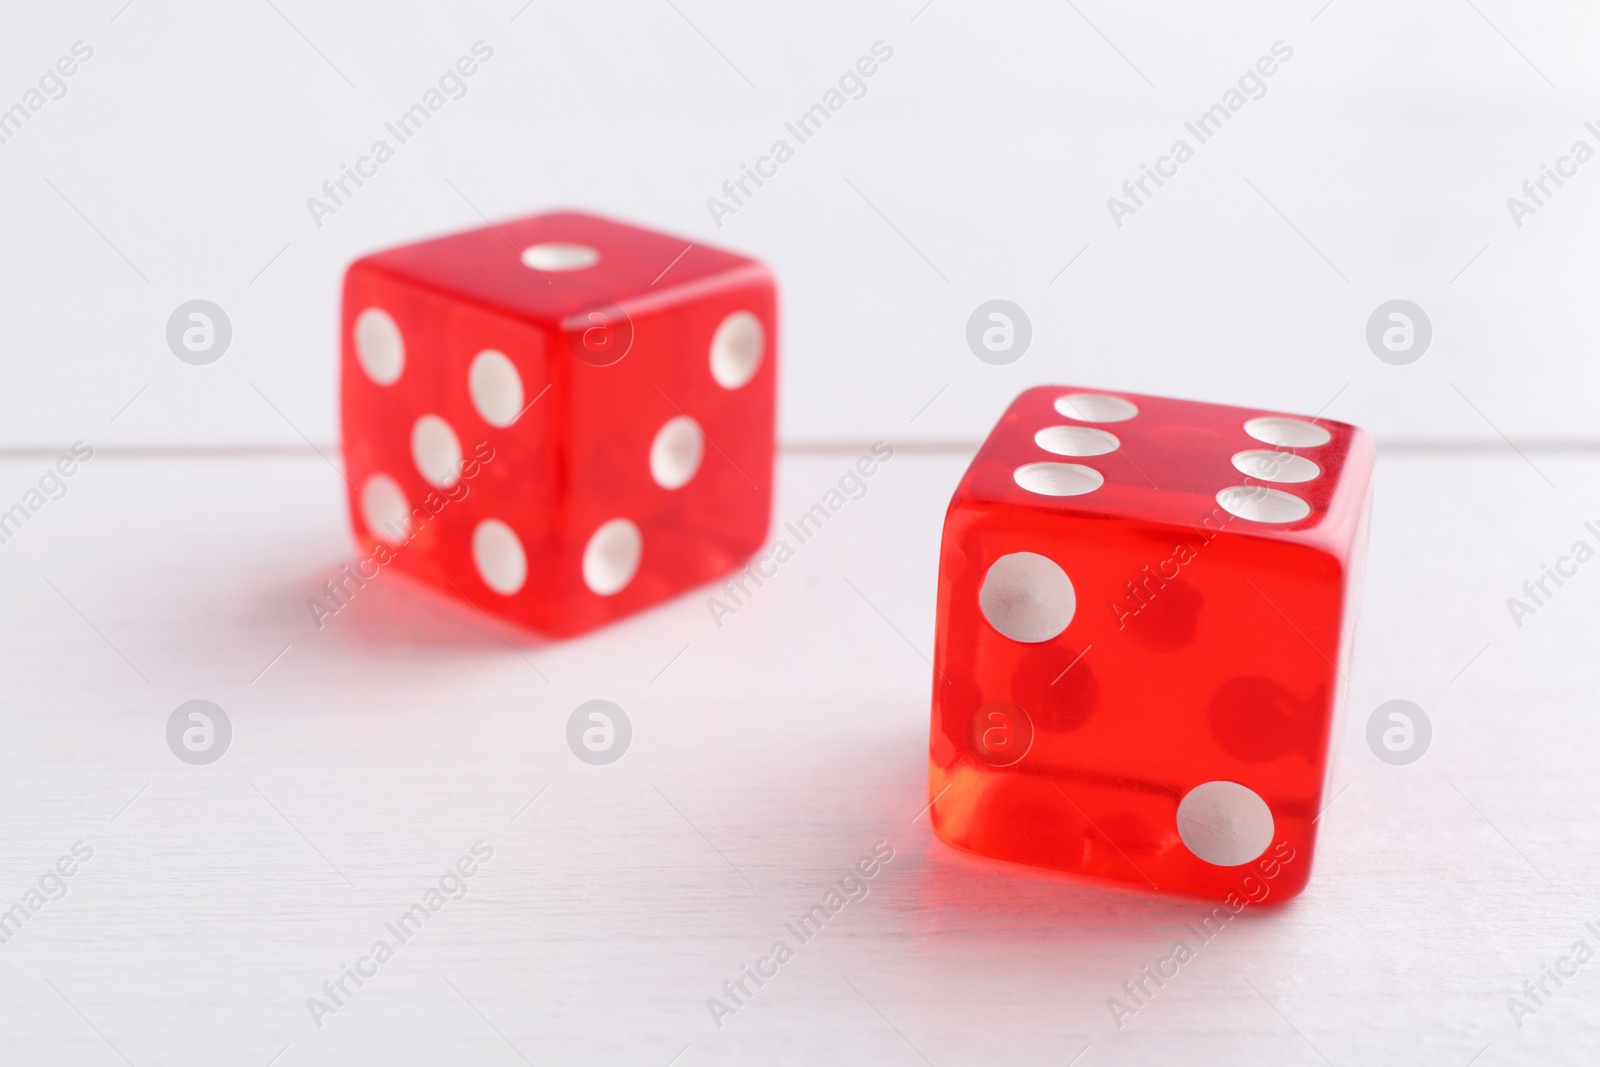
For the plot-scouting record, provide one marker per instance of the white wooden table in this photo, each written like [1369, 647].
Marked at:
[768, 756]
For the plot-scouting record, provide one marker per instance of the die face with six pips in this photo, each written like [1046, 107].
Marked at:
[1144, 624]
[561, 419]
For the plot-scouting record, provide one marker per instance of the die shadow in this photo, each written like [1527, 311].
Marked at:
[393, 609]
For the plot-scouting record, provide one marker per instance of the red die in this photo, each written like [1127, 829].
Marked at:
[1145, 617]
[561, 419]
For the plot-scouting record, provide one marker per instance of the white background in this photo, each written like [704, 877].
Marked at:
[990, 142]
[773, 751]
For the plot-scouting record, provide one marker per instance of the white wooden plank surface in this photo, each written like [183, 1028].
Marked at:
[767, 757]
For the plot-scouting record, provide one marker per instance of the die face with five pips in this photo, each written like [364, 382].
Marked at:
[1145, 616]
[561, 419]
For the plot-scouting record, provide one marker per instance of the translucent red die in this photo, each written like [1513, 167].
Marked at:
[1144, 625]
[561, 419]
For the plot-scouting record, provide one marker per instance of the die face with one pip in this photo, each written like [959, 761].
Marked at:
[561, 419]
[1145, 617]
